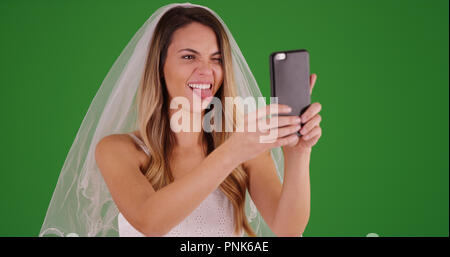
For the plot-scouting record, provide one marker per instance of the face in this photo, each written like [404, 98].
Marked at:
[193, 67]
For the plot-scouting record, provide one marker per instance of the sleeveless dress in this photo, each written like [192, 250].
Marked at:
[212, 218]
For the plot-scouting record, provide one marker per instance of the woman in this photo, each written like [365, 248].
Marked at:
[166, 183]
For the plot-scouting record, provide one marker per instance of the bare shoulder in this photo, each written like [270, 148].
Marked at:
[119, 162]
[119, 147]
[112, 146]
[113, 143]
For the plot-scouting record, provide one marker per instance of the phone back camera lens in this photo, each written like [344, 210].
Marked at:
[280, 56]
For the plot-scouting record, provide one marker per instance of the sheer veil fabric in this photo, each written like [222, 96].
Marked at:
[81, 204]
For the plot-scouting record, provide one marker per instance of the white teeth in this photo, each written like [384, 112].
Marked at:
[200, 86]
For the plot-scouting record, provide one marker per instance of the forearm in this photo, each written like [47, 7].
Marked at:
[293, 209]
[170, 205]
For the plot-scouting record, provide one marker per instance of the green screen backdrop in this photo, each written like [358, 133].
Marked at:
[381, 165]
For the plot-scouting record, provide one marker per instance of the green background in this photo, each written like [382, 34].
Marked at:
[381, 165]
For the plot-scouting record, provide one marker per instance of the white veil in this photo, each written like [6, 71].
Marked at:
[81, 204]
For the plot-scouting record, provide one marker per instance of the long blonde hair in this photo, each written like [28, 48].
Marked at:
[152, 108]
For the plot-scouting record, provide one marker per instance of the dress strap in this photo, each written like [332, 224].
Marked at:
[140, 143]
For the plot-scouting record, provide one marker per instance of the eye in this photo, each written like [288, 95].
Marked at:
[218, 60]
[189, 57]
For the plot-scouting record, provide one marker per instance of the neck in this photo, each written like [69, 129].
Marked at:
[191, 139]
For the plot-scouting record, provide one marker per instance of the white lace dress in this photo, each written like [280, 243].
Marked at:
[213, 217]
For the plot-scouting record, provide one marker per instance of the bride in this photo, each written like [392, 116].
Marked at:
[129, 173]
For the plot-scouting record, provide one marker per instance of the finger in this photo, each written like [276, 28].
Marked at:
[314, 140]
[268, 110]
[316, 131]
[313, 79]
[277, 121]
[294, 142]
[313, 122]
[285, 140]
[274, 134]
[312, 110]
[284, 131]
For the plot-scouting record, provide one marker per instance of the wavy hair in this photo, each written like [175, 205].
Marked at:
[153, 108]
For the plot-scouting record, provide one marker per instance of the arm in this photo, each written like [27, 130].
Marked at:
[292, 213]
[293, 209]
[156, 213]
[285, 207]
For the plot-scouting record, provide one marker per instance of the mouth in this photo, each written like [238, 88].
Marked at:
[203, 90]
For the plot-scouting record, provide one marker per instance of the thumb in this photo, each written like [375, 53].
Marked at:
[313, 79]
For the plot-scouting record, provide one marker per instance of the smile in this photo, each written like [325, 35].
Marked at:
[200, 86]
[203, 90]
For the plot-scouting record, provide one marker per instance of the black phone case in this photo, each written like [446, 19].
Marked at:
[290, 80]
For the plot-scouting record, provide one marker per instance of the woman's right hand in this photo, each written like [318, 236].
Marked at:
[260, 133]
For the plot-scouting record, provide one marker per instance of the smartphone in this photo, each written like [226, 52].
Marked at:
[289, 78]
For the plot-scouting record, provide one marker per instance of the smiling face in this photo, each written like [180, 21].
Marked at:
[193, 66]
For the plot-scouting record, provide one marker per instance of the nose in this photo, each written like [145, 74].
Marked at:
[204, 68]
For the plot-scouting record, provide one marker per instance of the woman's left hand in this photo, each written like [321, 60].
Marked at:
[310, 130]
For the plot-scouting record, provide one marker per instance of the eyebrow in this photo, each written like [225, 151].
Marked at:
[192, 50]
